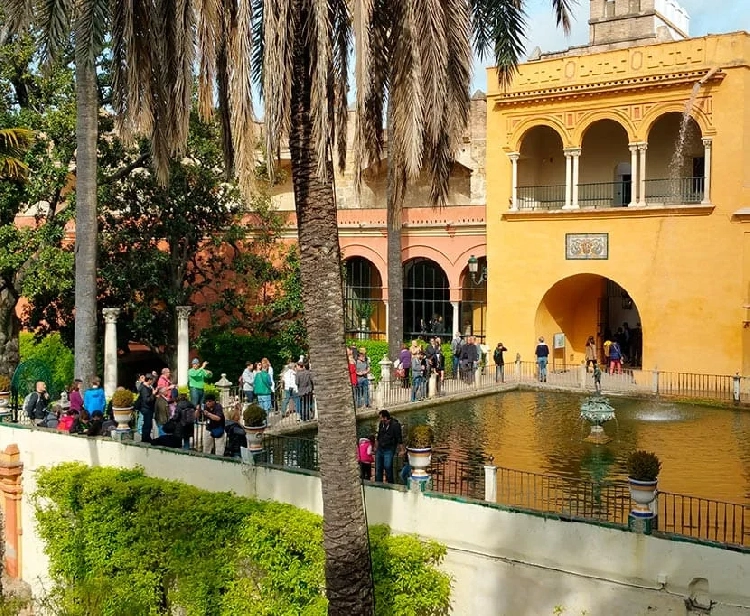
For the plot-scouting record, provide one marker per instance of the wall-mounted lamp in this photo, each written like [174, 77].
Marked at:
[474, 270]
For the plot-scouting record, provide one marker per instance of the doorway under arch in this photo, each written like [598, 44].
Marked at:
[584, 305]
[427, 307]
[473, 309]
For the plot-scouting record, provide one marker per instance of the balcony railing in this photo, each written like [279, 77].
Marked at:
[541, 197]
[675, 191]
[604, 194]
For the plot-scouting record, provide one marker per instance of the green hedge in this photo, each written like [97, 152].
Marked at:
[53, 352]
[121, 543]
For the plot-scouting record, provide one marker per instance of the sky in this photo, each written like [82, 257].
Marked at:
[706, 17]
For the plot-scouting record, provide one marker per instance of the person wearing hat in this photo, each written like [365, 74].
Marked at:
[197, 382]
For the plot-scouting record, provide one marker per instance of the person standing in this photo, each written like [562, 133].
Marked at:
[499, 360]
[438, 366]
[615, 358]
[289, 383]
[404, 358]
[305, 387]
[263, 386]
[145, 404]
[363, 381]
[75, 397]
[365, 457]
[469, 360]
[389, 440]
[542, 355]
[197, 376]
[93, 397]
[456, 352]
[216, 437]
[418, 369]
[590, 353]
[247, 379]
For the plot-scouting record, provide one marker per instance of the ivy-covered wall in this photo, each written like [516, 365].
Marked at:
[123, 544]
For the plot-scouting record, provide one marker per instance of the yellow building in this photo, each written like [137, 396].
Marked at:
[618, 190]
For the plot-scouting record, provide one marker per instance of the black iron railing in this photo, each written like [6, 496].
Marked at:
[604, 194]
[540, 197]
[702, 518]
[675, 191]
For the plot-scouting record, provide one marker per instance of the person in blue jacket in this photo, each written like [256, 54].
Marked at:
[93, 398]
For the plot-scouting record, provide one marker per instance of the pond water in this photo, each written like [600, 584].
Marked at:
[704, 451]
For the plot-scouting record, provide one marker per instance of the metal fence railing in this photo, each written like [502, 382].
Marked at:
[457, 477]
[604, 194]
[702, 518]
[540, 197]
[675, 191]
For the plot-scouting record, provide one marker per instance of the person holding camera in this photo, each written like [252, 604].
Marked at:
[216, 437]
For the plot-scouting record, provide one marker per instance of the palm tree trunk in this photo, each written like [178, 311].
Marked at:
[10, 326]
[349, 586]
[395, 269]
[87, 109]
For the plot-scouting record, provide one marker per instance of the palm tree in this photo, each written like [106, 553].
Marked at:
[415, 54]
[13, 145]
[85, 22]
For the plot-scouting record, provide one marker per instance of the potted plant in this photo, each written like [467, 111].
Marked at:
[254, 420]
[419, 448]
[4, 390]
[643, 470]
[364, 310]
[122, 408]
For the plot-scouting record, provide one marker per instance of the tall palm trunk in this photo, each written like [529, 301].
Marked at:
[10, 326]
[394, 225]
[87, 109]
[348, 570]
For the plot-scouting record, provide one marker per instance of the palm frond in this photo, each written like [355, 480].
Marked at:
[180, 55]
[362, 12]
[341, 23]
[208, 32]
[91, 21]
[563, 11]
[279, 26]
[321, 55]
[17, 14]
[55, 23]
[14, 142]
[431, 37]
[222, 79]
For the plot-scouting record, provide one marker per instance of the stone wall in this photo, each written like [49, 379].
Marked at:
[502, 562]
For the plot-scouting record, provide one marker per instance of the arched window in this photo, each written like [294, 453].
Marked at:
[427, 308]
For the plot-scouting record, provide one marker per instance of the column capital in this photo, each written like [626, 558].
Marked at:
[514, 156]
[183, 312]
[110, 315]
[642, 146]
[708, 142]
[572, 152]
[633, 146]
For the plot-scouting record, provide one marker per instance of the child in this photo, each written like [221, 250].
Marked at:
[365, 456]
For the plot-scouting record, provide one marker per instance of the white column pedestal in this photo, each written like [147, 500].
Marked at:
[183, 344]
[576, 156]
[634, 183]
[642, 175]
[514, 156]
[568, 180]
[707, 145]
[110, 350]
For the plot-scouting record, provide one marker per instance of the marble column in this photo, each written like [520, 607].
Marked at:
[183, 344]
[456, 318]
[707, 144]
[642, 147]
[633, 174]
[568, 180]
[110, 350]
[514, 156]
[576, 156]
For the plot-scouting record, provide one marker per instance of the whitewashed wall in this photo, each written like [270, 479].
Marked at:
[502, 562]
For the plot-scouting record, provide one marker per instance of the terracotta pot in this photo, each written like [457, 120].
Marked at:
[643, 494]
[419, 460]
[255, 437]
[122, 416]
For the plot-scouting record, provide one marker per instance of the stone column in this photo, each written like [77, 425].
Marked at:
[514, 156]
[11, 469]
[576, 155]
[490, 483]
[110, 350]
[707, 144]
[633, 174]
[183, 344]
[387, 323]
[568, 180]
[456, 318]
[642, 147]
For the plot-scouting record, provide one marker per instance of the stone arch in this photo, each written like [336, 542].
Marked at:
[583, 305]
[426, 295]
[367, 252]
[593, 117]
[605, 176]
[364, 307]
[531, 123]
[415, 251]
[653, 115]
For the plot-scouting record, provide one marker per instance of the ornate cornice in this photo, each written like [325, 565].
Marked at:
[648, 211]
[581, 90]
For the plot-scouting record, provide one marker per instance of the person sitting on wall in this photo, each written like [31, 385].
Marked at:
[35, 404]
[169, 438]
[52, 418]
[236, 437]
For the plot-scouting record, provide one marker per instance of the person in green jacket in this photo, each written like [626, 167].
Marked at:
[197, 382]
[263, 386]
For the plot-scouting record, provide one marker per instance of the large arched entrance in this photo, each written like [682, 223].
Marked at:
[427, 307]
[363, 300]
[473, 311]
[588, 305]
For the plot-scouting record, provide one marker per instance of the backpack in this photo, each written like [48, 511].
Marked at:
[186, 413]
[29, 404]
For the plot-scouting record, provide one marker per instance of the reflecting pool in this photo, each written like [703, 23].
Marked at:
[704, 451]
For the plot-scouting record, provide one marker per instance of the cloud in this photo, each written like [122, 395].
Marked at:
[712, 17]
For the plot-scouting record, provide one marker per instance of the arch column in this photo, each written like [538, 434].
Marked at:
[514, 156]
[707, 145]
[575, 154]
[110, 350]
[568, 179]
[642, 147]
[634, 182]
[11, 470]
[183, 344]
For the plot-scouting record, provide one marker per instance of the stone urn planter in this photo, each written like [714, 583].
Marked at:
[643, 470]
[419, 450]
[122, 409]
[254, 422]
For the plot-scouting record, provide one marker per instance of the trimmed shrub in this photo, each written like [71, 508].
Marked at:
[121, 543]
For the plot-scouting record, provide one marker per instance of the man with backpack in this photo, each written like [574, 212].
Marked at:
[184, 416]
[144, 404]
[35, 404]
